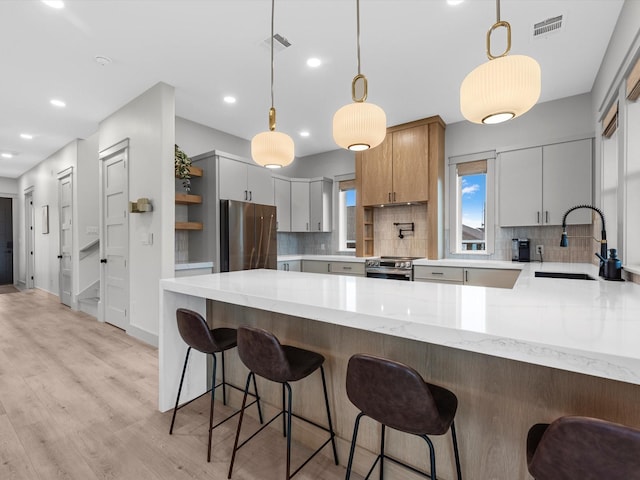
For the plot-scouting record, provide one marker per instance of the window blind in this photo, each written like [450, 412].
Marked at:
[472, 168]
[633, 83]
[347, 185]
[610, 122]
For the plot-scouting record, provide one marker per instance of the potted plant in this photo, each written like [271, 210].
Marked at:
[182, 164]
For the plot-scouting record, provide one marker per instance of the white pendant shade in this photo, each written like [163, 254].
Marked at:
[272, 149]
[359, 126]
[501, 89]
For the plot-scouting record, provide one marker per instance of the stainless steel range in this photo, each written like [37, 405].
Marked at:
[393, 268]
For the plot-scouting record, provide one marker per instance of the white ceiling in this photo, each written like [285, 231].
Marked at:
[414, 53]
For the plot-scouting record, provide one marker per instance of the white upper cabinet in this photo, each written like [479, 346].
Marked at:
[538, 185]
[282, 196]
[300, 206]
[320, 191]
[243, 182]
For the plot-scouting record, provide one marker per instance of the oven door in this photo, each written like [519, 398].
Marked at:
[390, 274]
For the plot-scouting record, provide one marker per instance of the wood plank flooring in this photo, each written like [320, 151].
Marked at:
[78, 400]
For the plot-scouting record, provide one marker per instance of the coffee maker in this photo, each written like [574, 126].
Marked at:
[520, 250]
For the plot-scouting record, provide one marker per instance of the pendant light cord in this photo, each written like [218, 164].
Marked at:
[273, 7]
[358, 31]
[498, 11]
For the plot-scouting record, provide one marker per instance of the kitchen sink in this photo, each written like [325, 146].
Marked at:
[572, 276]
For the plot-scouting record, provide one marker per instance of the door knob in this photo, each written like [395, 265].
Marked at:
[59, 256]
[103, 260]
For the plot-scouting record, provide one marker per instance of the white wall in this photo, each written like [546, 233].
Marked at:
[149, 123]
[327, 164]
[44, 180]
[194, 139]
[9, 189]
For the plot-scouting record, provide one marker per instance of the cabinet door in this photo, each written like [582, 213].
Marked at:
[299, 206]
[282, 196]
[520, 187]
[233, 180]
[566, 181]
[491, 277]
[320, 205]
[260, 185]
[427, 273]
[294, 266]
[377, 174]
[411, 165]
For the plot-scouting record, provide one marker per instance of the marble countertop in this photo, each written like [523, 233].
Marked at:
[324, 258]
[590, 327]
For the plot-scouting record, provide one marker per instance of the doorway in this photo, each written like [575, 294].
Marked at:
[114, 235]
[65, 202]
[6, 241]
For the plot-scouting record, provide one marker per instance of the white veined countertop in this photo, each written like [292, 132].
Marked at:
[590, 327]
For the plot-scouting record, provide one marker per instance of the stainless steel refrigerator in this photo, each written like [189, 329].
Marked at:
[247, 236]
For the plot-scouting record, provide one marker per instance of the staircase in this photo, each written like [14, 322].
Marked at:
[89, 297]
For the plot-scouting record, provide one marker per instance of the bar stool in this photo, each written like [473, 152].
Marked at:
[396, 396]
[263, 355]
[581, 447]
[197, 335]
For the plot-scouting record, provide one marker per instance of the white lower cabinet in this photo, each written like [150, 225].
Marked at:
[290, 266]
[483, 277]
[316, 266]
[354, 269]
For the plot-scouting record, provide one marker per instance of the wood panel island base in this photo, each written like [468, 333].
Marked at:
[499, 398]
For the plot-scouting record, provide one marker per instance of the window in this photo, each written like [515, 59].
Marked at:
[471, 219]
[347, 215]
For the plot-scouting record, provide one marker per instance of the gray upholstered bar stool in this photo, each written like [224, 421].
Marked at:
[197, 335]
[263, 355]
[395, 395]
[583, 448]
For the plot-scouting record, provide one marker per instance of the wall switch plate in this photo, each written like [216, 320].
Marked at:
[540, 249]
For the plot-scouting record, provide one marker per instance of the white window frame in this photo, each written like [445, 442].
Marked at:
[455, 230]
[341, 222]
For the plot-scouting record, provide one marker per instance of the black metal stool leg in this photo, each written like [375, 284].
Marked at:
[175, 409]
[284, 418]
[224, 381]
[455, 450]
[326, 402]
[213, 396]
[235, 444]
[432, 456]
[289, 409]
[384, 428]
[255, 389]
[353, 445]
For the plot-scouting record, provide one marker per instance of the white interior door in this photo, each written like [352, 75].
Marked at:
[30, 235]
[114, 235]
[65, 196]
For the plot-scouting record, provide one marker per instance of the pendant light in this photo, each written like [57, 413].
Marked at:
[272, 149]
[503, 88]
[359, 125]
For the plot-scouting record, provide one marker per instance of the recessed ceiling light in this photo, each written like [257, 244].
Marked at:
[7, 155]
[58, 103]
[304, 133]
[314, 62]
[454, 2]
[26, 136]
[102, 60]
[54, 3]
[229, 99]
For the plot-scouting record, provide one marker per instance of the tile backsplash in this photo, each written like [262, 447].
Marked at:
[386, 235]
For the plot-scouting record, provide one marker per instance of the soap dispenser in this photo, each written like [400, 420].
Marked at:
[613, 268]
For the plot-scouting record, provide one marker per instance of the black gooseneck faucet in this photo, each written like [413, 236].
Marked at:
[564, 242]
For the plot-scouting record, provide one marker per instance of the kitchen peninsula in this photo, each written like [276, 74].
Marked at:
[514, 357]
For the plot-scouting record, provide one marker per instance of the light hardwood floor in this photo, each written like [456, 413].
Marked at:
[78, 400]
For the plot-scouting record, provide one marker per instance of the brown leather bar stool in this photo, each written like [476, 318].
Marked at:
[197, 335]
[395, 395]
[263, 355]
[583, 448]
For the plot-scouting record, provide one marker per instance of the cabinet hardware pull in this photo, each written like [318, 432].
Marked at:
[346, 268]
[389, 196]
[307, 225]
[250, 195]
[538, 213]
[546, 214]
[328, 267]
[437, 273]
[394, 196]
[246, 197]
[466, 275]
[318, 226]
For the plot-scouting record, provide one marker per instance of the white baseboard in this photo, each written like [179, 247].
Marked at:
[143, 335]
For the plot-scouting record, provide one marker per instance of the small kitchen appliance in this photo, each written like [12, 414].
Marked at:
[520, 250]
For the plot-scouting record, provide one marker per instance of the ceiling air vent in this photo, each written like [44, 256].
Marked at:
[547, 27]
[279, 43]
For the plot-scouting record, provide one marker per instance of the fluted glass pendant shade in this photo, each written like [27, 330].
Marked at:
[359, 126]
[272, 149]
[503, 88]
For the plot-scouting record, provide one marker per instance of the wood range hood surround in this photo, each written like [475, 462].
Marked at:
[407, 167]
